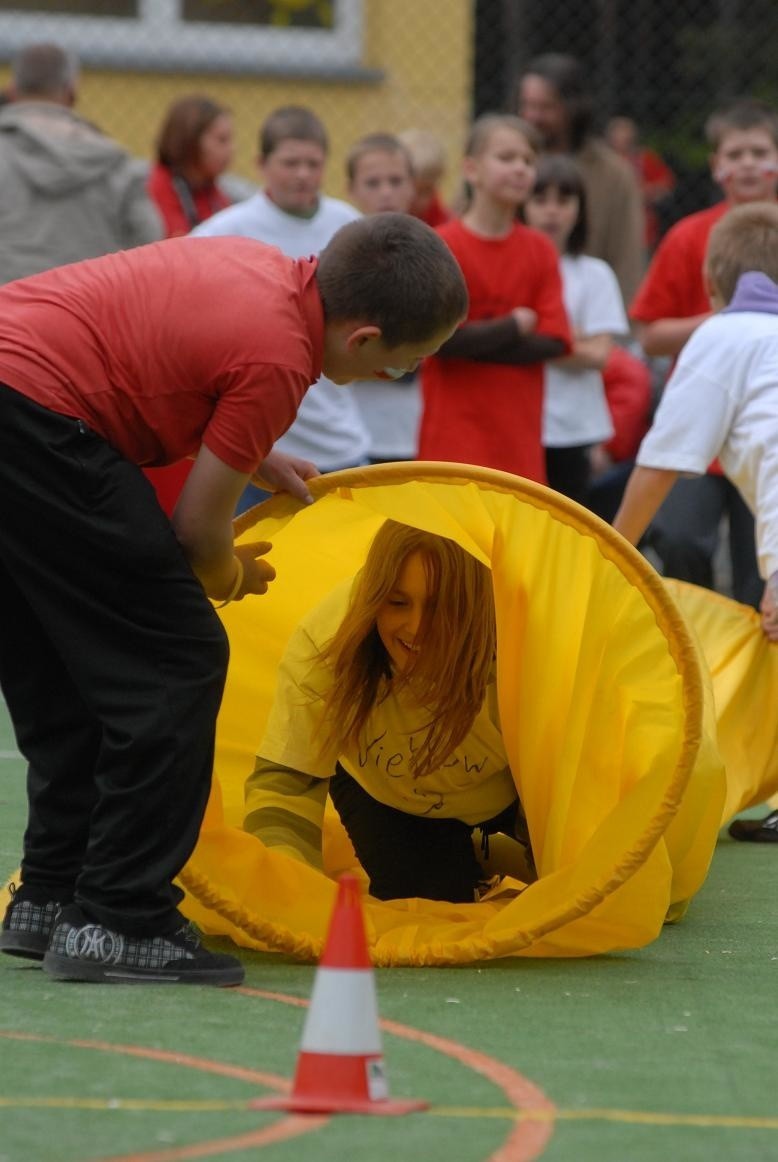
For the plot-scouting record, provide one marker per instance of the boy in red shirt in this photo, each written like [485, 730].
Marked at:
[669, 306]
[112, 659]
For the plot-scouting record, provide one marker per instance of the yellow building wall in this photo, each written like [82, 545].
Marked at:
[423, 48]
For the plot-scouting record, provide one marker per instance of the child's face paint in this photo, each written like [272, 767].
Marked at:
[391, 373]
[364, 355]
[745, 165]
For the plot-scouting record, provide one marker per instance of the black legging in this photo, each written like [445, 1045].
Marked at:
[112, 663]
[568, 471]
[412, 855]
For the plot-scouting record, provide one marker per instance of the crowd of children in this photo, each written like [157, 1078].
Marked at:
[472, 328]
[543, 378]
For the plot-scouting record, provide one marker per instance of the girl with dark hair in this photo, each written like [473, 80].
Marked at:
[575, 409]
[194, 147]
[387, 699]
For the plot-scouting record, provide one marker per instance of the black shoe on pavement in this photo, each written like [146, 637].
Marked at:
[756, 830]
[83, 949]
[28, 922]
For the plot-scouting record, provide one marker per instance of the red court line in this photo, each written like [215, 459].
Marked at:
[526, 1141]
[529, 1137]
[255, 1076]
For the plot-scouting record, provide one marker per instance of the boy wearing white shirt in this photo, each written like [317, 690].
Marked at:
[379, 172]
[722, 400]
[290, 212]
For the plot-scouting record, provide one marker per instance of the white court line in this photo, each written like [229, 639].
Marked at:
[9, 754]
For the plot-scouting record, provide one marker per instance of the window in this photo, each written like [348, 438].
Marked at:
[311, 37]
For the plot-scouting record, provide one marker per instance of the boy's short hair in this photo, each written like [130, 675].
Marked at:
[290, 123]
[392, 271]
[742, 114]
[375, 143]
[427, 152]
[43, 70]
[745, 239]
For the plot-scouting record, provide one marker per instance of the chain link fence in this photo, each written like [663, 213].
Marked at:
[368, 65]
[363, 65]
[666, 64]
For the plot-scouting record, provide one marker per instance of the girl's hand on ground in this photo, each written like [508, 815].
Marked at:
[257, 572]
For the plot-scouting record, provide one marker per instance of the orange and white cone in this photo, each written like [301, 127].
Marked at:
[340, 1067]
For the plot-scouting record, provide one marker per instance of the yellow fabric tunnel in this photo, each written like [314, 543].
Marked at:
[743, 667]
[605, 705]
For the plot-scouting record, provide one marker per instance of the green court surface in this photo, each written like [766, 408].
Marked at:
[668, 1053]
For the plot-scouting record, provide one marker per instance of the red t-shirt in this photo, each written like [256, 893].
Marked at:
[491, 413]
[651, 170]
[182, 208]
[672, 287]
[435, 213]
[627, 383]
[165, 347]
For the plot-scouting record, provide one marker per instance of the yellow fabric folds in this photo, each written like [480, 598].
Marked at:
[743, 666]
[605, 706]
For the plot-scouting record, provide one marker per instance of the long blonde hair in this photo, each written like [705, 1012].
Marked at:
[449, 675]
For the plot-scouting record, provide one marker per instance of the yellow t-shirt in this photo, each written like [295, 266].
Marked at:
[473, 785]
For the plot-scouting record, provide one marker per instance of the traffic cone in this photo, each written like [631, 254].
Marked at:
[340, 1067]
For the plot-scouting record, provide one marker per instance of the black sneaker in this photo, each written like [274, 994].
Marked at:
[82, 949]
[27, 923]
[756, 830]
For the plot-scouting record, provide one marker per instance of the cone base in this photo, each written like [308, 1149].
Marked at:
[325, 1105]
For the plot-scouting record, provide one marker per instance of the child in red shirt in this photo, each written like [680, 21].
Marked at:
[669, 306]
[627, 382]
[483, 392]
[428, 161]
[112, 658]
